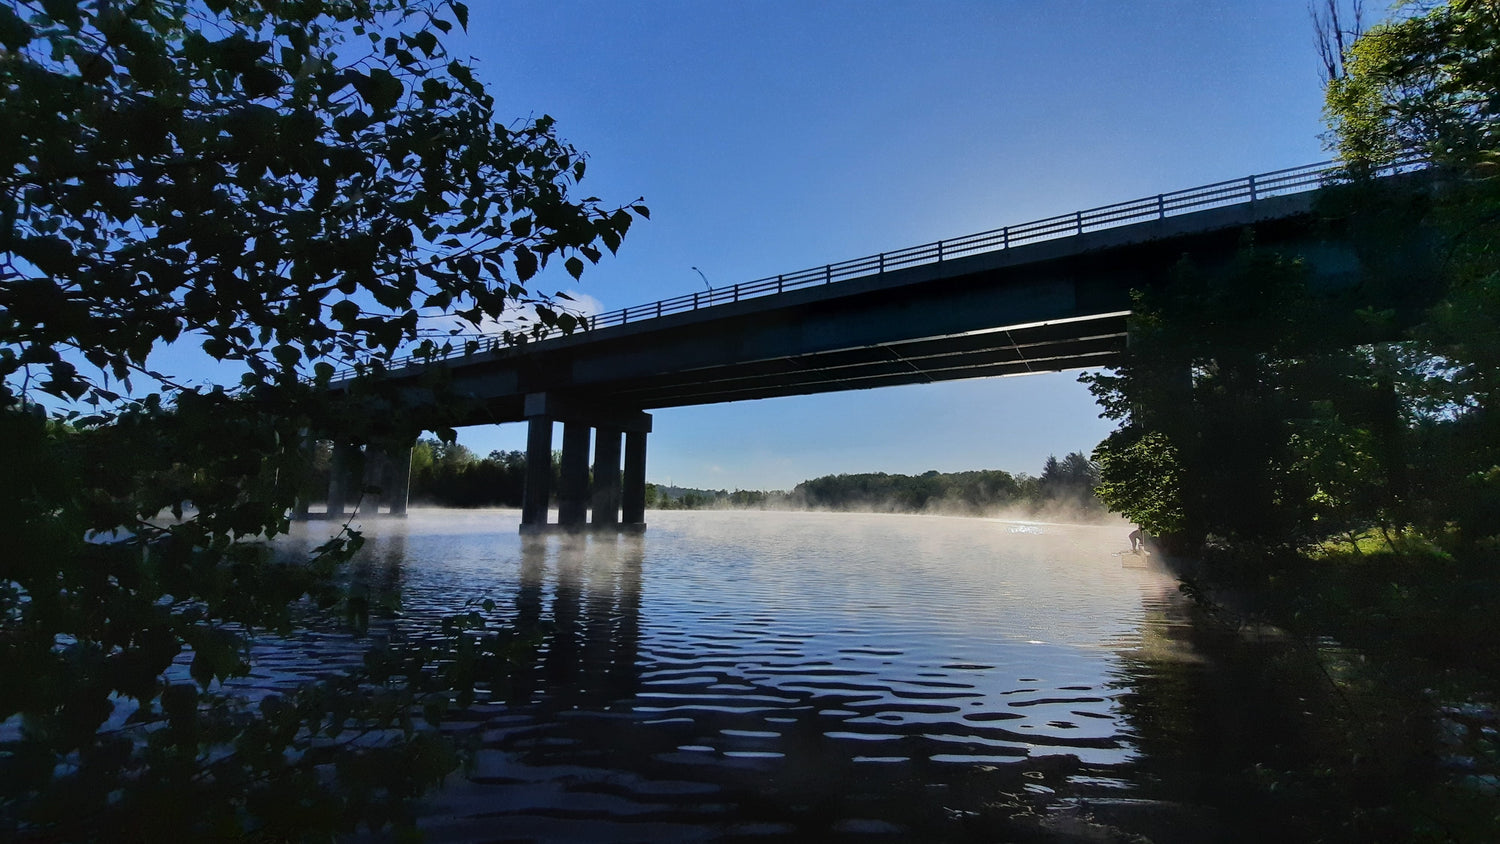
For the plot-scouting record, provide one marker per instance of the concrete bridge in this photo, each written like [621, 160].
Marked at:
[1045, 296]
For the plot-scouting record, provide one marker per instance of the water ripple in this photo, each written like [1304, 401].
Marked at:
[727, 674]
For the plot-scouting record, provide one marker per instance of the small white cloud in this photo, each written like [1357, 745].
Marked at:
[440, 325]
[582, 304]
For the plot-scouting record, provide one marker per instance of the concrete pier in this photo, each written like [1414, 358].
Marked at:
[372, 482]
[633, 490]
[606, 478]
[575, 494]
[367, 478]
[538, 474]
[344, 457]
[398, 475]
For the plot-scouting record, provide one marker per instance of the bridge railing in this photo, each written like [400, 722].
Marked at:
[1159, 207]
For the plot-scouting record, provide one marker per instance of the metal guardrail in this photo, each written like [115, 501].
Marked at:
[1159, 207]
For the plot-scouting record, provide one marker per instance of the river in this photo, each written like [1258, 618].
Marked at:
[764, 675]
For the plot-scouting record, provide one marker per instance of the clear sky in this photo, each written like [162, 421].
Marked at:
[771, 136]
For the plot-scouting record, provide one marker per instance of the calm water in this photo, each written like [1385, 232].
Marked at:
[762, 675]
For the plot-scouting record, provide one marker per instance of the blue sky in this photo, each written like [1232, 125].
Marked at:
[772, 136]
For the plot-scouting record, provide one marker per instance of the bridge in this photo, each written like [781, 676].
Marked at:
[1044, 296]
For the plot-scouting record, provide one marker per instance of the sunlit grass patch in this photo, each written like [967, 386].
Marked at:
[1375, 542]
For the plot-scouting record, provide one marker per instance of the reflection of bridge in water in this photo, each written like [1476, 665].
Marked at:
[1046, 296]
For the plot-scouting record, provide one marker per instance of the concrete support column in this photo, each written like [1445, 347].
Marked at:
[372, 481]
[303, 499]
[573, 497]
[399, 491]
[633, 495]
[538, 473]
[606, 477]
[344, 456]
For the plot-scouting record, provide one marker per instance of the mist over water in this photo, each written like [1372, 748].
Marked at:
[752, 674]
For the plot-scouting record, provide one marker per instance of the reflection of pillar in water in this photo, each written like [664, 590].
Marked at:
[624, 678]
[603, 564]
[604, 668]
[562, 651]
[529, 589]
[529, 609]
[391, 574]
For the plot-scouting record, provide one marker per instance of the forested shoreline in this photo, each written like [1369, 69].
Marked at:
[450, 475]
[1321, 454]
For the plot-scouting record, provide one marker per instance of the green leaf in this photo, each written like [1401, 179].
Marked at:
[217, 347]
[63, 11]
[426, 42]
[15, 33]
[526, 263]
[574, 267]
[379, 88]
[345, 312]
[286, 355]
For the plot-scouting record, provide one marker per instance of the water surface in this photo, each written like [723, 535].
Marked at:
[743, 674]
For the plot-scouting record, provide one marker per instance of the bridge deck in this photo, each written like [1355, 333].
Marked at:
[1048, 306]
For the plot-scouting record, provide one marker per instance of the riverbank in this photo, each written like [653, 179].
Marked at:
[1395, 662]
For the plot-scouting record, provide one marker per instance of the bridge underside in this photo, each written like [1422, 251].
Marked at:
[1050, 347]
[1046, 307]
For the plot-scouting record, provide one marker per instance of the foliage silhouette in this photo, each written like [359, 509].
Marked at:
[293, 187]
[1327, 453]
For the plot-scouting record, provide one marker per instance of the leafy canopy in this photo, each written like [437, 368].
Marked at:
[1258, 410]
[291, 185]
[284, 181]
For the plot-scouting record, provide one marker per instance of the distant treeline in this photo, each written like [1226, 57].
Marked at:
[451, 475]
[1065, 486]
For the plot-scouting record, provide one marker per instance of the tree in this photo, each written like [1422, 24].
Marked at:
[291, 186]
[1420, 85]
[233, 175]
[1255, 409]
[1335, 27]
[1427, 86]
[1070, 482]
